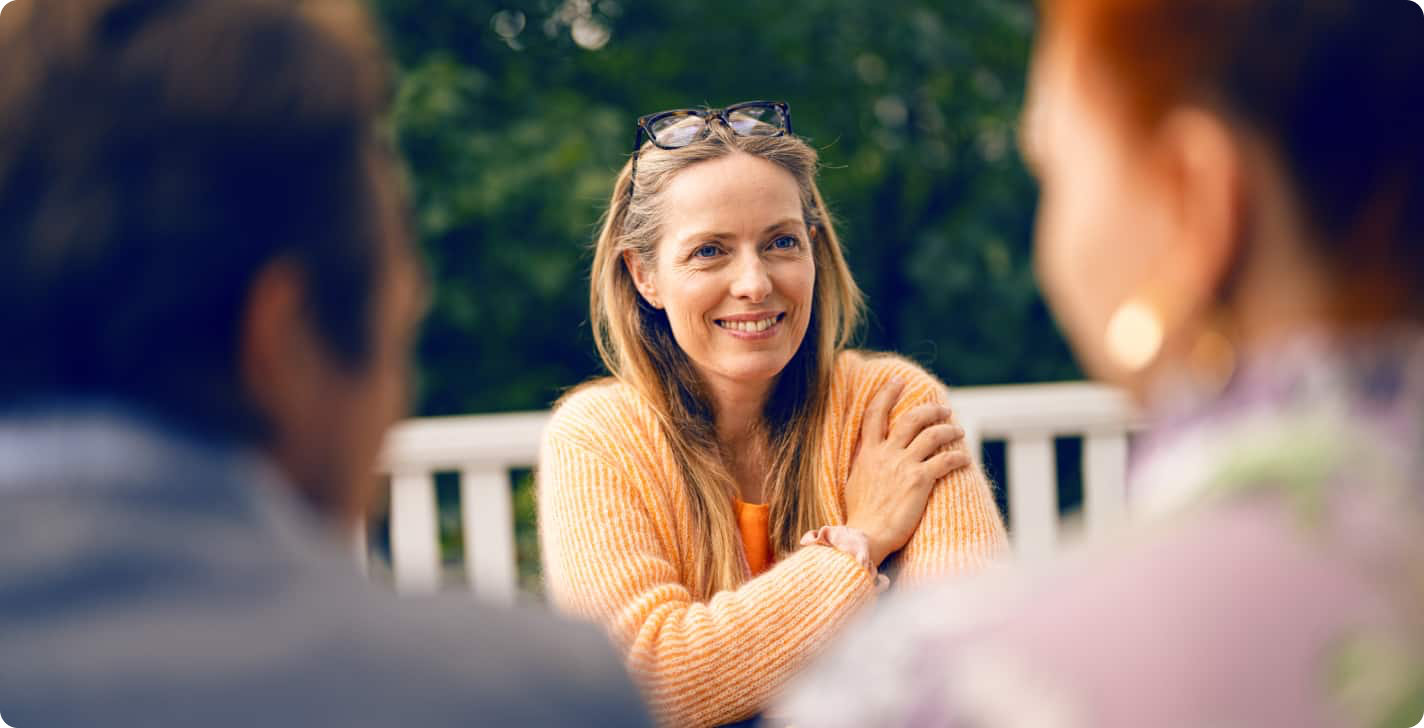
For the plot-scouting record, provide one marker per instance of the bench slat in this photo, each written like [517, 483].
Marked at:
[488, 519]
[415, 546]
[1105, 480]
[1033, 496]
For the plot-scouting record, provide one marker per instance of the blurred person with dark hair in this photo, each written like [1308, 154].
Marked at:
[209, 290]
[1232, 228]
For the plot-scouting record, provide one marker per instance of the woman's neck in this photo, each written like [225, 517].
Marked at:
[737, 411]
[737, 416]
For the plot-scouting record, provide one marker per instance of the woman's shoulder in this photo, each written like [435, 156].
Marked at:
[859, 374]
[598, 412]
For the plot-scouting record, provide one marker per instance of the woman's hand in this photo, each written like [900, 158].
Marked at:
[893, 472]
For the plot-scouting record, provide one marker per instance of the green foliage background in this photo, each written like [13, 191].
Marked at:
[516, 115]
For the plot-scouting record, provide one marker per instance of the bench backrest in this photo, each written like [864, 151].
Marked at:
[484, 449]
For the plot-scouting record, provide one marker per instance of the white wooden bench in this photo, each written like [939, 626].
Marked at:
[483, 449]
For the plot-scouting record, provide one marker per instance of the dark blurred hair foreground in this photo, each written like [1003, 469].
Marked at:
[136, 209]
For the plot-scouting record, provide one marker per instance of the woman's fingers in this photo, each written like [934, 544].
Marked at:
[932, 439]
[910, 424]
[945, 463]
[877, 415]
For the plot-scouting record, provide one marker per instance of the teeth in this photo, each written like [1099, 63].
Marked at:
[750, 327]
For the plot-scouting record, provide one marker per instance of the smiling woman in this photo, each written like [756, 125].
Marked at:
[736, 291]
[724, 502]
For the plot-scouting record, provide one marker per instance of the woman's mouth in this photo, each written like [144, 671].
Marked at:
[758, 328]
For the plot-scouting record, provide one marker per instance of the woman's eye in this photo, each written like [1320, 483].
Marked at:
[706, 251]
[786, 242]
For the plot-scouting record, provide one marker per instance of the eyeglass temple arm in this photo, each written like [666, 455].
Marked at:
[633, 171]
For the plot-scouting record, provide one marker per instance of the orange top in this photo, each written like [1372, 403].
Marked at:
[756, 534]
[615, 525]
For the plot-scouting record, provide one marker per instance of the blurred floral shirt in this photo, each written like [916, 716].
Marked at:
[1273, 576]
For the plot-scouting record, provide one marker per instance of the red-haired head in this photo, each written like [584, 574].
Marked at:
[1247, 166]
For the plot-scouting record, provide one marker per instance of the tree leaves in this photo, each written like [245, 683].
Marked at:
[515, 125]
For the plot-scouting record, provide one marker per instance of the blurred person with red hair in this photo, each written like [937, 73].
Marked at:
[1232, 228]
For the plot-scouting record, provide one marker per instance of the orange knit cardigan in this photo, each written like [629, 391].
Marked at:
[614, 530]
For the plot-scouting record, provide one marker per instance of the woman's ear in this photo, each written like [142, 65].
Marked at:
[641, 279]
[1206, 183]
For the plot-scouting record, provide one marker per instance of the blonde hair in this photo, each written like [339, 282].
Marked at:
[637, 346]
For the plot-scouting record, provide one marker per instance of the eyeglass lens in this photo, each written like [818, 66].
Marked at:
[755, 120]
[678, 130]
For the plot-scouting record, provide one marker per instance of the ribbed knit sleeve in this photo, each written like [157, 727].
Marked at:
[961, 531]
[611, 555]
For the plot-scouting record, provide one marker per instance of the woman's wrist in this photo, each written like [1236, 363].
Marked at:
[878, 550]
[851, 541]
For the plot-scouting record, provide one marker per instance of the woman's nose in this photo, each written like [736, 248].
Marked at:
[751, 281]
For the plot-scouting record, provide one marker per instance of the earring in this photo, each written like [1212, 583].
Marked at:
[1135, 334]
[1212, 359]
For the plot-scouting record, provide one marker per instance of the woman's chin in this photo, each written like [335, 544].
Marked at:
[753, 370]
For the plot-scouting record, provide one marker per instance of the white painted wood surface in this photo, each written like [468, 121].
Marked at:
[1033, 495]
[486, 499]
[415, 548]
[1104, 480]
[483, 449]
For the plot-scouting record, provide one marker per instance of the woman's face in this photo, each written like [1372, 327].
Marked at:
[1102, 228]
[734, 268]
